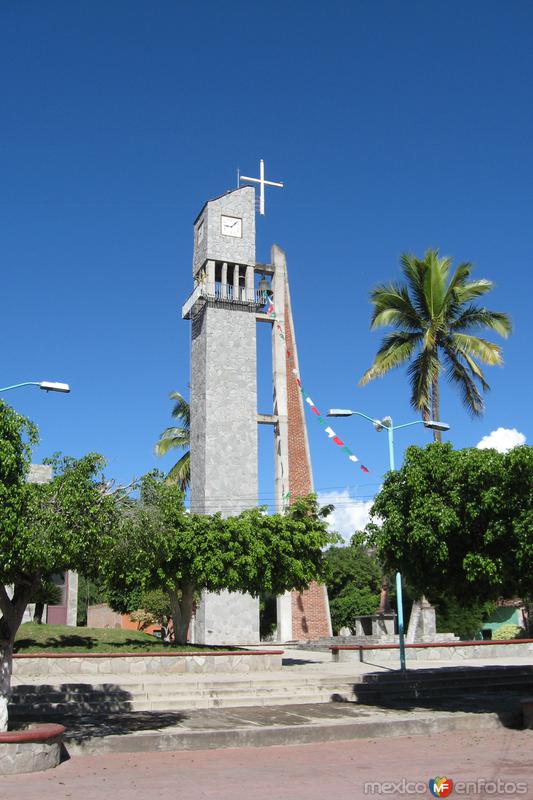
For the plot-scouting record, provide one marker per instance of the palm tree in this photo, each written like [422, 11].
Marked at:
[434, 317]
[178, 437]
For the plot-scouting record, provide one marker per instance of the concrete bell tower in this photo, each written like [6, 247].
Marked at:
[224, 309]
[224, 456]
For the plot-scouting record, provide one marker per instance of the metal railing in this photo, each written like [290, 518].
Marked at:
[224, 292]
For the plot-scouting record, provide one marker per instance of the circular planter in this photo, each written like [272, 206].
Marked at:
[34, 748]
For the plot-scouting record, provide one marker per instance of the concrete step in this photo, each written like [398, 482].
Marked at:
[32, 693]
[436, 683]
[443, 672]
[228, 699]
[427, 686]
[81, 690]
[456, 683]
[269, 725]
[59, 710]
[229, 691]
[101, 699]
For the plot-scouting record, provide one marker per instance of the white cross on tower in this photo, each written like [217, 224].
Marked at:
[262, 183]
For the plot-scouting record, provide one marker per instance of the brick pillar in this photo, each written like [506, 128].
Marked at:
[310, 609]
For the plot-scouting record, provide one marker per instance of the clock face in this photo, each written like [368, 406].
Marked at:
[200, 233]
[231, 226]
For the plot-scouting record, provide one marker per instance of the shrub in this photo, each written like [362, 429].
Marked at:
[352, 602]
[465, 620]
[507, 632]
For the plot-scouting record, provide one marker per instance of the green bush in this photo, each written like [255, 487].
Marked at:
[507, 632]
[466, 621]
[352, 602]
[354, 583]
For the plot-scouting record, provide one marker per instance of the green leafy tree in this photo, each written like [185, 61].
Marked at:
[160, 546]
[458, 524]
[178, 437]
[44, 528]
[354, 583]
[154, 609]
[435, 324]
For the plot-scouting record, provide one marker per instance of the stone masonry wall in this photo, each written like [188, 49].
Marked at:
[224, 450]
[223, 411]
[141, 664]
[239, 250]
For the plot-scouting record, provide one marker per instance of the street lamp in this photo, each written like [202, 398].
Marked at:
[47, 386]
[379, 425]
[386, 423]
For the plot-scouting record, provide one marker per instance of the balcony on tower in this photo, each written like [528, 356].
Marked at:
[221, 284]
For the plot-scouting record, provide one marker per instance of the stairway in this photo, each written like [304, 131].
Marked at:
[439, 684]
[175, 693]
[180, 693]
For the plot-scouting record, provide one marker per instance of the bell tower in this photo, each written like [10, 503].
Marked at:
[224, 308]
[224, 454]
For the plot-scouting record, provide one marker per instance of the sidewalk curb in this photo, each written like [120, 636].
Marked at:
[267, 736]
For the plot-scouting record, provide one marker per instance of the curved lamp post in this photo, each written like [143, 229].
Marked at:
[387, 424]
[47, 386]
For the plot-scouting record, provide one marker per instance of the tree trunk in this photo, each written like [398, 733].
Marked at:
[6, 655]
[435, 412]
[384, 604]
[181, 611]
[12, 612]
[38, 613]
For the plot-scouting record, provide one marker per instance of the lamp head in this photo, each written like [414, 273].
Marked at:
[434, 425]
[379, 424]
[51, 386]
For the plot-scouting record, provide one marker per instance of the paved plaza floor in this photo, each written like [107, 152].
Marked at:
[337, 770]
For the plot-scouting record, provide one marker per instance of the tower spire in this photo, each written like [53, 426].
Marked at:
[301, 615]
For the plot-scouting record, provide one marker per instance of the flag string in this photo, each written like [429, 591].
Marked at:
[320, 419]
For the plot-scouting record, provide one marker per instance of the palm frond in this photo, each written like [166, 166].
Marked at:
[451, 346]
[396, 349]
[182, 409]
[488, 352]
[414, 271]
[177, 437]
[435, 277]
[458, 374]
[452, 306]
[181, 472]
[392, 306]
[475, 369]
[422, 372]
[478, 317]
[465, 292]
[171, 438]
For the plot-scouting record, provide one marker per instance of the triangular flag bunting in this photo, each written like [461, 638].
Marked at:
[330, 432]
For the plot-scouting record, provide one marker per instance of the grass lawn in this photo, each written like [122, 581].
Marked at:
[33, 638]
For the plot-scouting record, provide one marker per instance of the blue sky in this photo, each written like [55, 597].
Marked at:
[395, 126]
